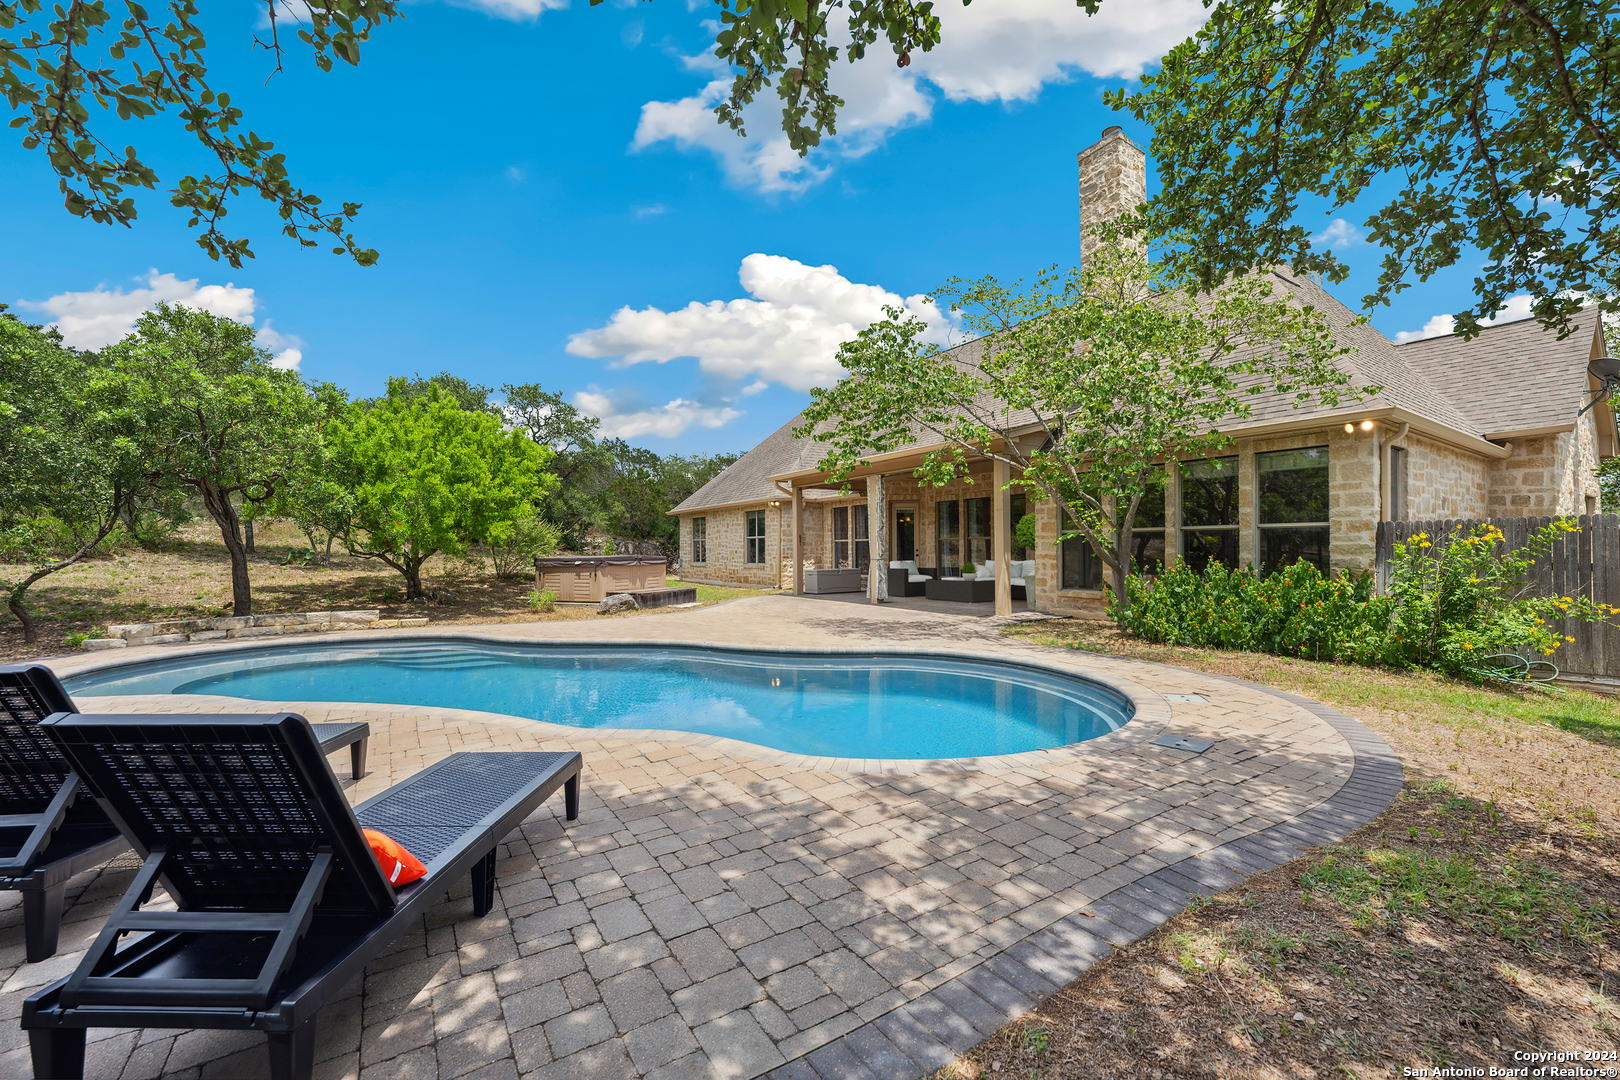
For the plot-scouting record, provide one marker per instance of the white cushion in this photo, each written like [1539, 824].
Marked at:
[918, 577]
[904, 564]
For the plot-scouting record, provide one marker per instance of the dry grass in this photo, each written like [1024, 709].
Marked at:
[1472, 919]
[191, 578]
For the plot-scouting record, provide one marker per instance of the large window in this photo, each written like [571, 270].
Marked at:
[948, 531]
[851, 541]
[978, 530]
[1209, 512]
[1293, 505]
[1081, 567]
[1020, 507]
[700, 539]
[756, 537]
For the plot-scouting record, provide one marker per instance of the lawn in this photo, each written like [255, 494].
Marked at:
[190, 577]
[1473, 918]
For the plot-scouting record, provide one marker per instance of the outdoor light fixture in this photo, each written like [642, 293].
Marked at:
[1366, 425]
[1349, 429]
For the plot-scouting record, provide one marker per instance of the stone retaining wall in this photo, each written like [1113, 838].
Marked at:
[173, 631]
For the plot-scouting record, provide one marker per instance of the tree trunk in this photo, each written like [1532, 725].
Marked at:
[223, 512]
[247, 527]
[14, 602]
[413, 580]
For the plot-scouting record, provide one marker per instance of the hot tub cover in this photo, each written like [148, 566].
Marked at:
[544, 562]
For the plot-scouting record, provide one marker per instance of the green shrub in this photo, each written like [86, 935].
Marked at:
[542, 600]
[968, 569]
[1450, 604]
[531, 536]
[1024, 532]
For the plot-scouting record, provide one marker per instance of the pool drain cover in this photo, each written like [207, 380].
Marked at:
[1188, 699]
[1181, 742]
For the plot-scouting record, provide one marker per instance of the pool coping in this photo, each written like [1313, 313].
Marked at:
[1151, 719]
[932, 1030]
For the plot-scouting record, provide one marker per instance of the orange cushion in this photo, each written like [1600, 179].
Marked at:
[399, 866]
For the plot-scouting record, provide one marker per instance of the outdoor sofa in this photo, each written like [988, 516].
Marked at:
[905, 579]
[48, 833]
[282, 903]
[980, 588]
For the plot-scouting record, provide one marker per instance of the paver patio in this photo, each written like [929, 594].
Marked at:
[723, 910]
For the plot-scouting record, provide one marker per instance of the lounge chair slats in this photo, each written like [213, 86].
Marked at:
[206, 800]
[50, 829]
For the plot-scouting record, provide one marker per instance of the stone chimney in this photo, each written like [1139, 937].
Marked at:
[1113, 180]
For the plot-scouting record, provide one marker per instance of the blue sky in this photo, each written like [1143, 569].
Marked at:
[528, 173]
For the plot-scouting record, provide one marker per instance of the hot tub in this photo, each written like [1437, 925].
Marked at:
[587, 579]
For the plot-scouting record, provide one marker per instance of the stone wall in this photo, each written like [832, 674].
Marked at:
[1442, 481]
[174, 631]
[1547, 474]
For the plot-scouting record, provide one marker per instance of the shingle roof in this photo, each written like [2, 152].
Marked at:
[1515, 377]
[1509, 378]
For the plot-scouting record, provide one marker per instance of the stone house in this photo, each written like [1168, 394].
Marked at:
[1483, 428]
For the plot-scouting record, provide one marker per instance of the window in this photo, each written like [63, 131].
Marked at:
[840, 537]
[850, 528]
[863, 538]
[978, 531]
[1293, 504]
[700, 539]
[1209, 512]
[1081, 567]
[905, 533]
[1397, 483]
[1147, 533]
[1020, 507]
[948, 530]
[756, 537]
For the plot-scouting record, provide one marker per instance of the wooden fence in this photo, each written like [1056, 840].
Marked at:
[1586, 563]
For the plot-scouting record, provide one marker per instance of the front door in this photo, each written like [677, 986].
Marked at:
[905, 534]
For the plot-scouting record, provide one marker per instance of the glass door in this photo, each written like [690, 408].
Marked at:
[949, 518]
[905, 534]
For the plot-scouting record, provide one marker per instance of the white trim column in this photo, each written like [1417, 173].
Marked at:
[798, 545]
[877, 530]
[1001, 535]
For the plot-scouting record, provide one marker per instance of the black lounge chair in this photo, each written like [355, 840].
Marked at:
[48, 834]
[282, 903]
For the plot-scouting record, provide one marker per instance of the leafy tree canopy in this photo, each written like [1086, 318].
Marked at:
[72, 64]
[428, 476]
[468, 395]
[1497, 124]
[1083, 384]
[213, 414]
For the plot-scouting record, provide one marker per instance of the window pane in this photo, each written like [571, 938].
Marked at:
[948, 516]
[1020, 507]
[1081, 568]
[700, 539]
[840, 517]
[1150, 511]
[863, 547]
[1397, 484]
[978, 530]
[756, 536]
[1203, 548]
[1209, 492]
[1285, 547]
[1147, 551]
[1293, 485]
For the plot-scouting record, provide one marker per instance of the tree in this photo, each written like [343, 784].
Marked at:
[1084, 384]
[428, 476]
[215, 416]
[64, 456]
[1499, 124]
[469, 395]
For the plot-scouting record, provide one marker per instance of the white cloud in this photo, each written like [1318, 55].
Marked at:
[289, 348]
[89, 320]
[654, 210]
[632, 33]
[787, 331]
[1339, 234]
[1515, 309]
[515, 10]
[517, 173]
[666, 421]
[990, 52]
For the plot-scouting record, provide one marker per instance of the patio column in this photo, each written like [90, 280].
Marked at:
[1001, 535]
[877, 529]
[798, 544]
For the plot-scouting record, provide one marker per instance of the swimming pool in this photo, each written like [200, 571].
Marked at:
[849, 705]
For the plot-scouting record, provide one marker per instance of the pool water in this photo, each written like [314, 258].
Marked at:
[851, 706]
